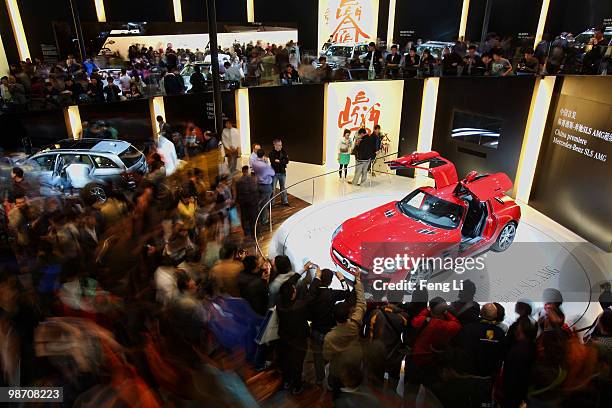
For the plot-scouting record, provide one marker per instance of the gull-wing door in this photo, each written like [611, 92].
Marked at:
[441, 169]
[485, 187]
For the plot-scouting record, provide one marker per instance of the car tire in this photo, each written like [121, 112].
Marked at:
[505, 238]
[94, 193]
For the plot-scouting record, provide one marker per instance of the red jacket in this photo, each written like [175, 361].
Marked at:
[435, 335]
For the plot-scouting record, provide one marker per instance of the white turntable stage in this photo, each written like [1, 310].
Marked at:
[561, 260]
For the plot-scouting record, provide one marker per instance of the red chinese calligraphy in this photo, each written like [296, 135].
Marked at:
[359, 112]
[348, 29]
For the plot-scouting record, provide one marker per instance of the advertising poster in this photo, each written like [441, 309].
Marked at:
[572, 182]
[347, 21]
[351, 105]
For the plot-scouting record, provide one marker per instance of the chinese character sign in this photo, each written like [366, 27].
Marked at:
[347, 21]
[359, 111]
[353, 105]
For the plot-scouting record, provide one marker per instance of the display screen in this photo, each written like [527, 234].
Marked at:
[476, 129]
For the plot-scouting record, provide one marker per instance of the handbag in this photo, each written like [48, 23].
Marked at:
[268, 331]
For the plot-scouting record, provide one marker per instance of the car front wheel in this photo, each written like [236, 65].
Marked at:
[505, 238]
[94, 193]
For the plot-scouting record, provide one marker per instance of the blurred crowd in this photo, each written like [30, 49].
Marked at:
[158, 297]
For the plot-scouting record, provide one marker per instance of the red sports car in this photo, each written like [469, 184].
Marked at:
[453, 219]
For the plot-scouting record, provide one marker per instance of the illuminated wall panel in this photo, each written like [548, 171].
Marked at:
[243, 120]
[73, 122]
[4, 65]
[178, 11]
[100, 12]
[540, 104]
[349, 105]
[18, 31]
[348, 21]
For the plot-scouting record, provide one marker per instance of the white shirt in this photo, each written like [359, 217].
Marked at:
[230, 138]
[168, 153]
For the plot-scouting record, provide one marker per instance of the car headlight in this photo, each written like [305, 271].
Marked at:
[337, 231]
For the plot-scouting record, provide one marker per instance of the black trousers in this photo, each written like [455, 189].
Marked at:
[291, 356]
[248, 214]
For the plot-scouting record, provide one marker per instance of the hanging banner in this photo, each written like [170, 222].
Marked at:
[347, 21]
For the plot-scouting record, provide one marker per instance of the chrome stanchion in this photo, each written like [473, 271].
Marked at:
[270, 208]
[313, 191]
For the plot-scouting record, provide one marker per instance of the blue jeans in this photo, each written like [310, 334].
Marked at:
[281, 178]
[265, 194]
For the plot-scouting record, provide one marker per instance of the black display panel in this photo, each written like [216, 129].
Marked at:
[476, 129]
[39, 128]
[436, 20]
[197, 109]
[304, 12]
[506, 99]
[411, 117]
[131, 118]
[573, 183]
[292, 113]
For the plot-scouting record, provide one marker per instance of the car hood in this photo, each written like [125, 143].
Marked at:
[387, 225]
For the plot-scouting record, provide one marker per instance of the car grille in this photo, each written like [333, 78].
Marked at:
[347, 263]
[389, 213]
[426, 232]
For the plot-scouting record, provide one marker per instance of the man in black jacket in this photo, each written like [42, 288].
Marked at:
[279, 160]
[292, 310]
[482, 344]
[365, 153]
[321, 310]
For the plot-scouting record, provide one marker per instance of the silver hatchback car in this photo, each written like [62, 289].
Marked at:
[89, 166]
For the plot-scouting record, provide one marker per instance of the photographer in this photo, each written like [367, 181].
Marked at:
[436, 326]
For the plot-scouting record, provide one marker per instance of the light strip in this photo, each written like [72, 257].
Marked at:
[156, 108]
[4, 65]
[534, 132]
[250, 11]
[428, 117]
[243, 120]
[72, 116]
[391, 24]
[541, 22]
[464, 16]
[18, 31]
[100, 12]
[178, 11]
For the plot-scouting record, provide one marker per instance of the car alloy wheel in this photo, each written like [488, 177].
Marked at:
[507, 236]
[99, 194]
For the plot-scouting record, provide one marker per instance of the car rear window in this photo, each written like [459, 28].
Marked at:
[130, 156]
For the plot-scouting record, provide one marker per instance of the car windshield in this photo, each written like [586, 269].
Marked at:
[340, 51]
[431, 210]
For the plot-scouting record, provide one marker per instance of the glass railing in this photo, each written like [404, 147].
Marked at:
[320, 188]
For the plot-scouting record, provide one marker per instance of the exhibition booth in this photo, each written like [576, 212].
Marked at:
[562, 172]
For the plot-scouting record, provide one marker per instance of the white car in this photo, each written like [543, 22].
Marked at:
[338, 55]
[89, 165]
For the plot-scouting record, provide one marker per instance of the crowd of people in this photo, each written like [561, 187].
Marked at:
[33, 85]
[157, 297]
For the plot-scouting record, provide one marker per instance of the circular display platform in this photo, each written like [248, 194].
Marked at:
[534, 262]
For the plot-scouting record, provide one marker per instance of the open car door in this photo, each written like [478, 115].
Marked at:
[487, 186]
[441, 169]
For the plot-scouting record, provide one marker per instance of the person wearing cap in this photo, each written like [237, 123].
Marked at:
[482, 344]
